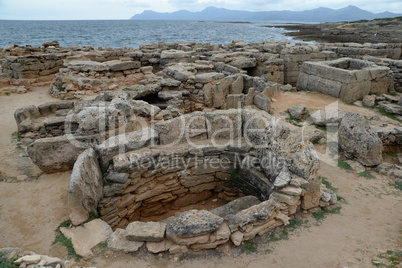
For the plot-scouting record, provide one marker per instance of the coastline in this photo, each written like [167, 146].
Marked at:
[374, 31]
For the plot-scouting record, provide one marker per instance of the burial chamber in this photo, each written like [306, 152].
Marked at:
[242, 155]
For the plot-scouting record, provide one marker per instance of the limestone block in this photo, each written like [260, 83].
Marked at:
[85, 190]
[184, 128]
[359, 141]
[194, 223]
[117, 65]
[85, 237]
[145, 231]
[224, 124]
[125, 142]
[58, 153]
[206, 78]
[118, 242]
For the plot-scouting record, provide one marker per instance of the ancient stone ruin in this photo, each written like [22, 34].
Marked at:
[346, 78]
[170, 127]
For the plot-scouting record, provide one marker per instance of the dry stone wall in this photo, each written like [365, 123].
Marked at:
[153, 170]
[346, 78]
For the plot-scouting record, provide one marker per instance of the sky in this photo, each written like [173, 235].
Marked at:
[124, 9]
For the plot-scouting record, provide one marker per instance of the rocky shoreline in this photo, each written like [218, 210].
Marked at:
[375, 31]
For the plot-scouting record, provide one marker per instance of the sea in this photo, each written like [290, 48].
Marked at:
[133, 33]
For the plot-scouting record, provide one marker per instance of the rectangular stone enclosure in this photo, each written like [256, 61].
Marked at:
[345, 78]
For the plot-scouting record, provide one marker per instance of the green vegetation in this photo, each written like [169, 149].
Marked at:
[329, 185]
[250, 245]
[389, 19]
[60, 87]
[320, 215]
[344, 165]
[294, 121]
[391, 259]
[6, 263]
[7, 93]
[60, 238]
[393, 154]
[367, 175]
[284, 233]
[102, 245]
[16, 138]
[389, 115]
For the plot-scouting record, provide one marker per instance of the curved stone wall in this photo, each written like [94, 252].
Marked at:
[182, 161]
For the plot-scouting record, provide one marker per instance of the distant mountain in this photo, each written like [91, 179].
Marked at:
[322, 14]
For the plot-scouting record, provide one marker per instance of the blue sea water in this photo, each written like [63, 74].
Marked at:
[132, 33]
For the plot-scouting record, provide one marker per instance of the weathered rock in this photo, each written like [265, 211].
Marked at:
[256, 213]
[118, 242]
[87, 66]
[143, 108]
[114, 177]
[85, 190]
[237, 238]
[125, 143]
[224, 124]
[357, 140]
[235, 206]
[369, 100]
[85, 237]
[262, 101]
[117, 65]
[29, 259]
[256, 182]
[58, 153]
[327, 116]
[183, 128]
[208, 77]
[283, 178]
[157, 247]
[170, 83]
[390, 170]
[391, 108]
[299, 111]
[194, 223]
[356, 166]
[145, 231]
[170, 95]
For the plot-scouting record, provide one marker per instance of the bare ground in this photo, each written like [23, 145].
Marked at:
[370, 223]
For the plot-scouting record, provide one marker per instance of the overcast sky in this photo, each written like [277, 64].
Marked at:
[124, 9]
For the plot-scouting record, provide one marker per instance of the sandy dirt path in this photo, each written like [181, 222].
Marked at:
[368, 224]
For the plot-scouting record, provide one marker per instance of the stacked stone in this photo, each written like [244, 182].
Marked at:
[355, 50]
[346, 78]
[32, 66]
[90, 77]
[394, 65]
[295, 56]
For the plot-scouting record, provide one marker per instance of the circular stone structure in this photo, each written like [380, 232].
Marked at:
[181, 161]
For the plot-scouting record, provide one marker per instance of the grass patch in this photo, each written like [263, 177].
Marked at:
[16, 138]
[367, 175]
[60, 238]
[250, 245]
[284, 233]
[393, 154]
[391, 259]
[102, 245]
[344, 165]
[294, 121]
[329, 185]
[385, 113]
[4, 263]
[320, 215]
